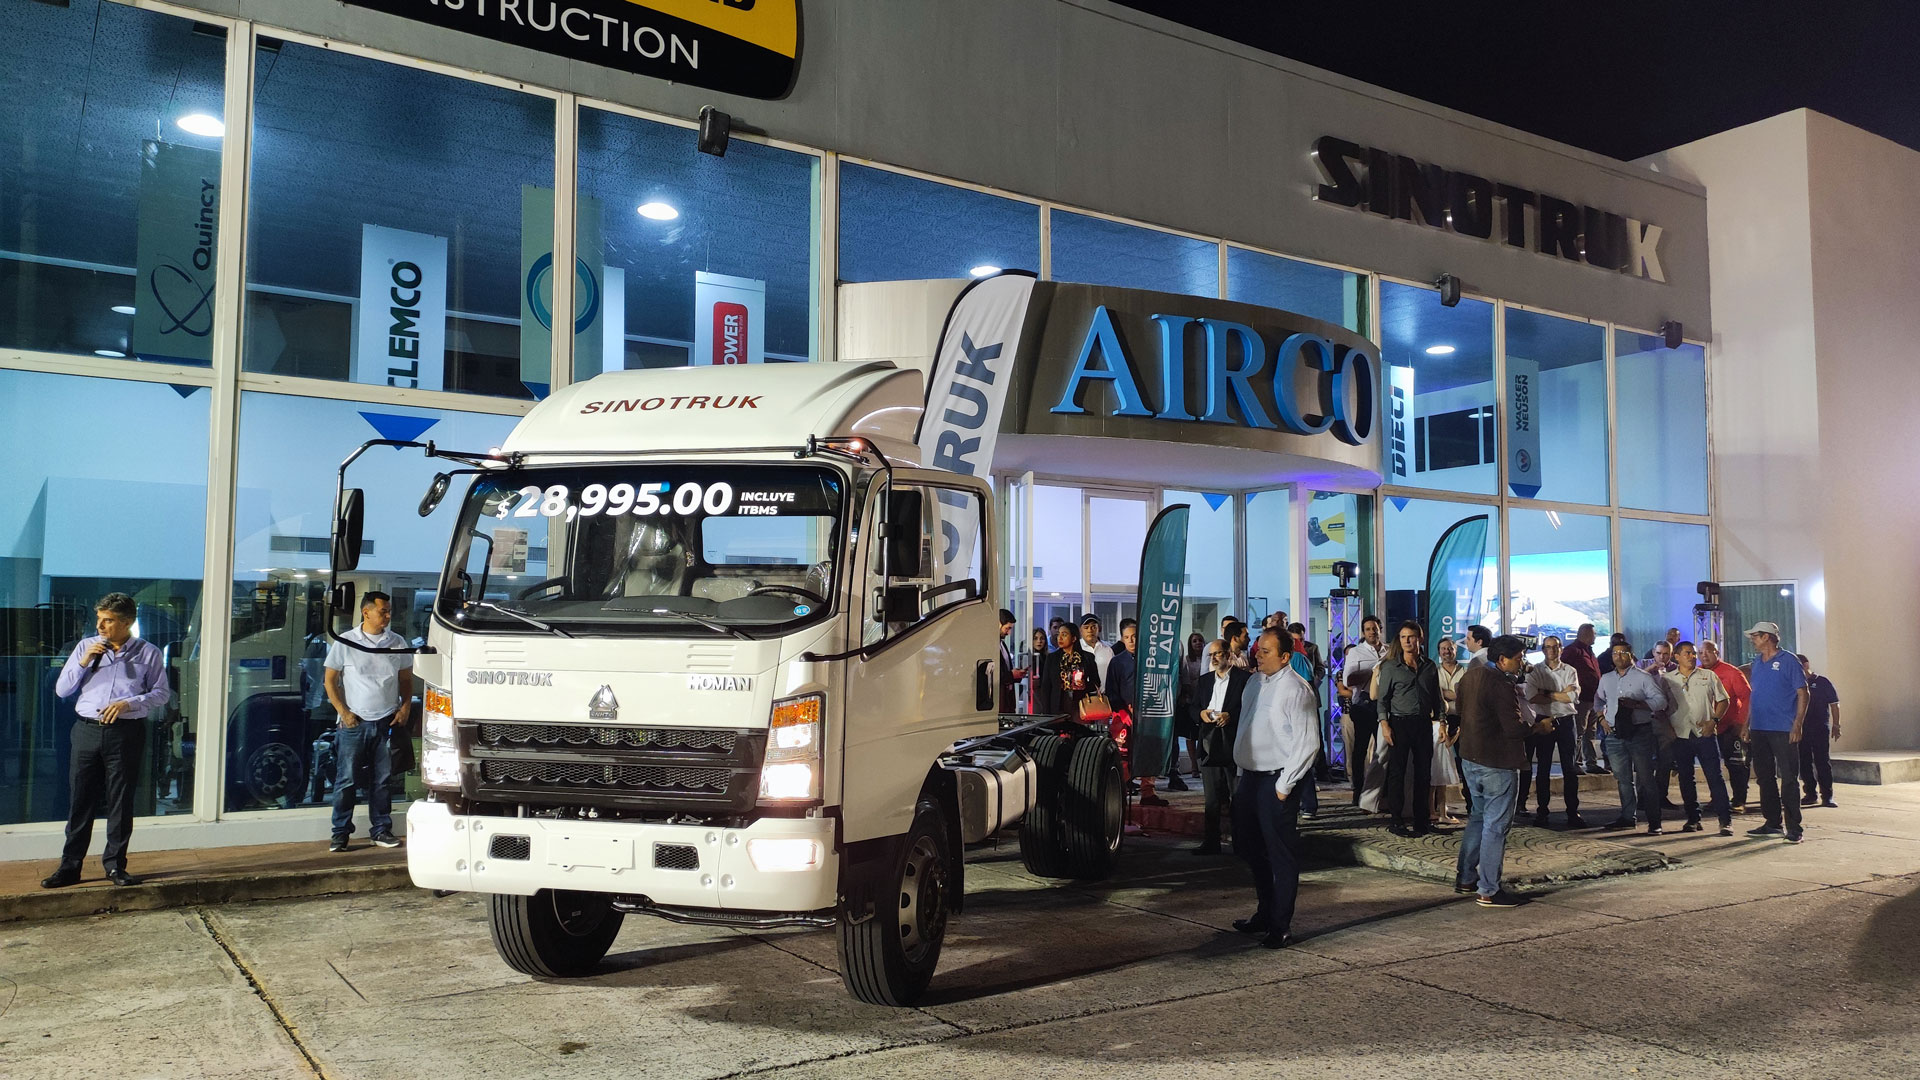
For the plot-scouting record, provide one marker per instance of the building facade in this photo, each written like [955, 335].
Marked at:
[238, 238]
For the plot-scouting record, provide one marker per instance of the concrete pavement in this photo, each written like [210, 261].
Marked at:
[1752, 958]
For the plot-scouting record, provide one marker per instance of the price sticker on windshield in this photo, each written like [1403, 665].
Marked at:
[594, 500]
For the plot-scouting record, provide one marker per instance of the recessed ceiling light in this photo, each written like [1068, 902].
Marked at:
[1439, 350]
[658, 211]
[115, 354]
[984, 270]
[123, 309]
[203, 125]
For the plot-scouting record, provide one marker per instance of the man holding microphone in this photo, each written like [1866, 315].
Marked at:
[120, 680]
[372, 692]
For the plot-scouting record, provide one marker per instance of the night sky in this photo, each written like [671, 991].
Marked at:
[1624, 79]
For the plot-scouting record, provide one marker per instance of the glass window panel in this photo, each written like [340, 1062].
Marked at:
[1564, 364]
[1337, 296]
[101, 186]
[1118, 528]
[1057, 580]
[902, 228]
[1339, 529]
[1442, 357]
[1436, 574]
[1269, 555]
[685, 239]
[138, 467]
[1102, 252]
[1660, 563]
[279, 738]
[1660, 397]
[1560, 573]
[387, 241]
[1209, 567]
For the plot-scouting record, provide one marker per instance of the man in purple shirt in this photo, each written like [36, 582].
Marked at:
[121, 680]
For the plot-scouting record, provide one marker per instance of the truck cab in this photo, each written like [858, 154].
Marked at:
[708, 646]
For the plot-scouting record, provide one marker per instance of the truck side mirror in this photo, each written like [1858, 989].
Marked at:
[349, 522]
[905, 521]
[899, 604]
[435, 492]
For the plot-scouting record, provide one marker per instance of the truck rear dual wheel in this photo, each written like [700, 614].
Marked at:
[889, 957]
[1079, 813]
[553, 933]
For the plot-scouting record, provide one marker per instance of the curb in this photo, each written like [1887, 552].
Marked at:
[82, 900]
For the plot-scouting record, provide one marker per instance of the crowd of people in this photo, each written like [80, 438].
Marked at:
[1480, 718]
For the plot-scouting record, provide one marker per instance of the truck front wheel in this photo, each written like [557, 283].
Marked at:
[553, 933]
[888, 958]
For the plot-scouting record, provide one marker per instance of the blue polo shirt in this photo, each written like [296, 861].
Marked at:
[1775, 686]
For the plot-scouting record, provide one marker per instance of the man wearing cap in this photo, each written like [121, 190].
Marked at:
[1774, 719]
[117, 681]
[1091, 644]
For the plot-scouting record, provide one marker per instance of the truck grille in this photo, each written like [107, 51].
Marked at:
[584, 735]
[676, 857]
[628, 777]
[511, 848]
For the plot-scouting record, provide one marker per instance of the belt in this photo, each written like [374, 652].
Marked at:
[1261, 772]
[94, 720]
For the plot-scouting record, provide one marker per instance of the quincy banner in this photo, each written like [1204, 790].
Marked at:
[745, 47]
[173, 254]
[1523, 427]
[967, 392]
[402, 340]
[1163, 586]
[1456, 575]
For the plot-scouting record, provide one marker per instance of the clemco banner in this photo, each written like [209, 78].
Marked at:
[967, 392]
[173, 255]
[1163, 584]
[729, 320]
[402, 340]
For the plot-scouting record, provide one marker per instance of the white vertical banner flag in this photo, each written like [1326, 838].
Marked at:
[402, 340]
[966, 394]
[1523, 427]
[613, 320]
[729, 320]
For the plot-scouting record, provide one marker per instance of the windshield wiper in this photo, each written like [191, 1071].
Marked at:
[716, 627]
[520, 615]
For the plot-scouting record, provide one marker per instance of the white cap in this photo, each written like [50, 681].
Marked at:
[1765, 628]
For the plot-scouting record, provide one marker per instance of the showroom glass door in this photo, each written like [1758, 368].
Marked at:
[1115, 531]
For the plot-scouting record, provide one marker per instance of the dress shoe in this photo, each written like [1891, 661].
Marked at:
[1152, 800]
[1766, 830]
[1279, 939]
[61, 878]
[1541, 819]
[1251, 926]
[1795, 837]
[1575, 821]
[1669, 804]
[1809, 800]
[1829, 804]
[1175, 783]
[119, 876]
[1617, 824]
[1205, 849]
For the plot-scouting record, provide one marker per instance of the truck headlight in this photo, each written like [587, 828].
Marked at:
[440, 742]
[792, 769]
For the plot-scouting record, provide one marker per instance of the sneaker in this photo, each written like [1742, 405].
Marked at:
[1829, 804]
[1464, 887]
[1795, 837]
[385, 839]
[1655, 830]
[1738, 808]
[1617, 824]
[1692, 826]
[1766, 830]
[1502, 899]
[339, 844]
[1726, 830]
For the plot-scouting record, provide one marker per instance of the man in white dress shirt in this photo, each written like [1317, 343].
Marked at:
[1358, 707]
[1274, 750]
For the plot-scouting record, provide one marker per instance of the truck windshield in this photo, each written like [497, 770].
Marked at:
[647, 549]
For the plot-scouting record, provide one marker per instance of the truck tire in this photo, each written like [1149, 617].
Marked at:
[553, 934]
[889, 958]
[1095, 815]
[1042, 846]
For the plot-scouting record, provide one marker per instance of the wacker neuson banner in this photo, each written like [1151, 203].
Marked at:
[173, 254]
[745, 47]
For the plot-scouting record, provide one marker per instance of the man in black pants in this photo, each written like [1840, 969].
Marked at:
[1356, 675]
[1816, 738]
[1274, 751]
[1406, 685]
[1216, 715]
[117, 681]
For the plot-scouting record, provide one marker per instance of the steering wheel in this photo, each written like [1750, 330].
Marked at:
[796, 590]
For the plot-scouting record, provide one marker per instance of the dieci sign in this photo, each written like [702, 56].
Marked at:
[1133, 364]
[1397, 186]
[745, 47]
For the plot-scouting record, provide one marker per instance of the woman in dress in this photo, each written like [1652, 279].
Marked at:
[1446, 764]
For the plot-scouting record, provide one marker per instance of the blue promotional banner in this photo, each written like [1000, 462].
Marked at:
[1163, 578]
[1454, 580]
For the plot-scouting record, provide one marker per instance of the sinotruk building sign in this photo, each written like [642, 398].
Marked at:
[1396, 186]
[745, 47]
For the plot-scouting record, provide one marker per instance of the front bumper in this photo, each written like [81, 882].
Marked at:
[456, 851]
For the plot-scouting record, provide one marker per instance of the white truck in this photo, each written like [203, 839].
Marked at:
[691, 658]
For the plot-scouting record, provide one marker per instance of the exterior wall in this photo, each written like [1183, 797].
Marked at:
[1101, 107]
[1815, 258]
